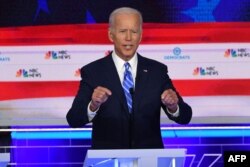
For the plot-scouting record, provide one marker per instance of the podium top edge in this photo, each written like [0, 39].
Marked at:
[121, 153]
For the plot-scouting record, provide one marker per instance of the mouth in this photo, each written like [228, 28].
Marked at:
[128, 47]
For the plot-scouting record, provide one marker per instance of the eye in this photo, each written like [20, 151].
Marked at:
[122, 31]
[134, 31]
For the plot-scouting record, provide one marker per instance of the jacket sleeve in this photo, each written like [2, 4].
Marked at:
[185, 111]
[77, 115]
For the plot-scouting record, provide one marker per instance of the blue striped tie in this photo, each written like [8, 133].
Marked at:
[127, 84]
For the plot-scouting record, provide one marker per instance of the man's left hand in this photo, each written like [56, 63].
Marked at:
[170, 100]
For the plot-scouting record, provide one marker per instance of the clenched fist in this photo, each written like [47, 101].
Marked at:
[170, 100]
[99, 96]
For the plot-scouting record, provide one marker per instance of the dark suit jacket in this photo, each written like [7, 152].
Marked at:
[113, 126]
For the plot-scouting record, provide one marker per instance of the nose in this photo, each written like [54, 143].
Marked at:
[128, 36]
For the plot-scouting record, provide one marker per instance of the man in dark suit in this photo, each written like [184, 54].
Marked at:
[124, 102]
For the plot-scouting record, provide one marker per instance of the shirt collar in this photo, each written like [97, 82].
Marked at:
[119, 63]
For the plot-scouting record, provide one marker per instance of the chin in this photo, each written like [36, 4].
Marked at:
[128, 57]
[129, 54]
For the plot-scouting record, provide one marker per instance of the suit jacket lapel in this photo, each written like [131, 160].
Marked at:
[141, 80]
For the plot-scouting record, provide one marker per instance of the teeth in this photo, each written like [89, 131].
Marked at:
[128, 46]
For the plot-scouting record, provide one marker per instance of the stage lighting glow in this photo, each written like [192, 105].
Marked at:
[166, 133]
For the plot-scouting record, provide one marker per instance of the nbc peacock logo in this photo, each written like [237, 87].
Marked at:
[22, 73]
[230, 53]
[199, 71]
[205, 71]
[57, 55]
[77, 73]
[30, 73]
[237, 53]
[107, 52]
[50, 55]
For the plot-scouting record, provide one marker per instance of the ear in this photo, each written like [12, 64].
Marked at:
[110, 36]
[140, 37]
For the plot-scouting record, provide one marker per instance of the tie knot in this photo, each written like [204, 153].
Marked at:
[127, 65]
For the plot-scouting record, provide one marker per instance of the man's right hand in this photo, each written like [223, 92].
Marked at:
[99, 96]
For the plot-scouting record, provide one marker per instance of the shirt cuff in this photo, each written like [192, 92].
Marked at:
[176, 113]
[91, 114]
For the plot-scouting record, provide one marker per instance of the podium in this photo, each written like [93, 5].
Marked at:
[135, 158]
[4, 159]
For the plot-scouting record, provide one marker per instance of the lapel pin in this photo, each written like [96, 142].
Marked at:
[145, 70]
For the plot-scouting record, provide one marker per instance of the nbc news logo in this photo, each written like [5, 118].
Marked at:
[56, 55]
[234, 53]
[202, 71]
[30, 73]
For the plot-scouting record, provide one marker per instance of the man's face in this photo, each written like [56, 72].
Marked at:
[126, 35]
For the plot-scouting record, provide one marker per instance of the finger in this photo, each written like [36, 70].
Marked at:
[107, 91]
[170, 98]
[167, 100]
[165, 93]
[98, 100]
[104, 90]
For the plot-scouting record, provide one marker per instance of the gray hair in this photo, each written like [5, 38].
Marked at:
[126, 10]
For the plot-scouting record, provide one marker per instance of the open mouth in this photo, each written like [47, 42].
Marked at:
[128, 46]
